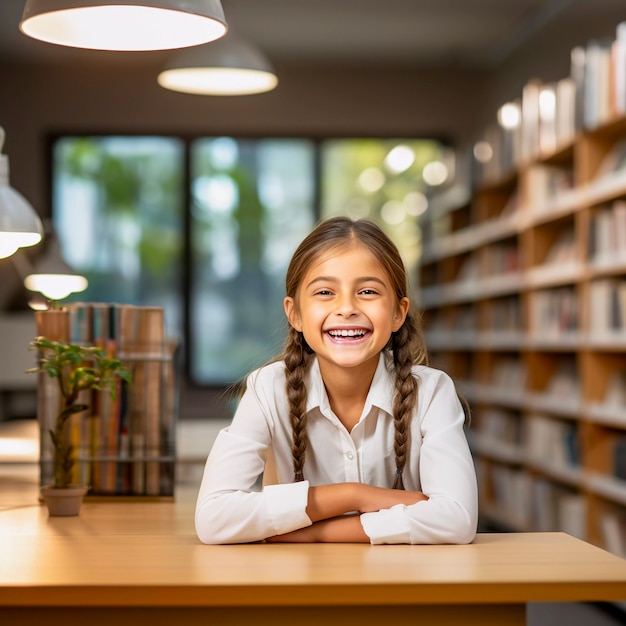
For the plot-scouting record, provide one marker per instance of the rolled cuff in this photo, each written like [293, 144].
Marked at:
[286, 505]
[387, 526]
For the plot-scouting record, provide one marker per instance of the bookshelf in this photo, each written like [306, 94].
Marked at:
[523, 289]
[125, 446]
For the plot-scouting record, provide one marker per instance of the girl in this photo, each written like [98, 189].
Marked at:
[356, 439]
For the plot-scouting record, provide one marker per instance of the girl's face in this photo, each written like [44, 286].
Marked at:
[346, 308]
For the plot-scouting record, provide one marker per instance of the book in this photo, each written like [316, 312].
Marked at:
[613, 527]
[577, 76]
[565, 116]
[597, 82]
[619, 69]
[547, 118]
[530, 146]
[619, 457]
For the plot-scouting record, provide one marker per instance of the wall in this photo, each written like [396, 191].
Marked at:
[37, 100]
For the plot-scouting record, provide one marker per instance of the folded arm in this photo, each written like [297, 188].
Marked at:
[328, 505]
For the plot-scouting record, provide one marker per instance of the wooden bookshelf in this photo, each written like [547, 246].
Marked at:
[523, 289]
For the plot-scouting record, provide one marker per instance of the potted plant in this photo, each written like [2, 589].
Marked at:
[76, 368]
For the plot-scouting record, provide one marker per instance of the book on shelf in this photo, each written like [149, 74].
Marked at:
[607, 306]
[504, 315]
[556, 508]
[607, 234]
[553, 441]
[618, 59]
[547, 119]
[501, 426]
[572, 515]
[512, 495]
[554, 312]
[501, 258]
[598, 87]
[509, 374]
[557, 109]
[546, 182]
[125, 441]
[619, 457]
[577, 75]
[565, 116]
[530, 146]
[613, 528]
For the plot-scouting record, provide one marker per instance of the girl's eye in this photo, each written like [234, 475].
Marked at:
[368, 292]
[323, 292]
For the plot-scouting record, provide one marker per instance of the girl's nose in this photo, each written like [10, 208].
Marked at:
[346, 306]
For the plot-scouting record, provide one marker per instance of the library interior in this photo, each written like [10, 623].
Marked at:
[487, 139]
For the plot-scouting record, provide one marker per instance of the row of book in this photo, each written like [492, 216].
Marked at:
[562, 396]
[548, 115]
[523, 502]
[552, 439]
[554, 313]
[125, 445]
[501, 425]
[545, 183]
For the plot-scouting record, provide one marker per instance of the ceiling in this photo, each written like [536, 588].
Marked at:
[444, 33]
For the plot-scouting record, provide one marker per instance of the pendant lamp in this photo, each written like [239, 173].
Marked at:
[52, 276]
[228, 67]
[20, 225]
[128, 25]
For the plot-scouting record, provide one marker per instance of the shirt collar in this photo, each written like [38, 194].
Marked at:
[380, 394]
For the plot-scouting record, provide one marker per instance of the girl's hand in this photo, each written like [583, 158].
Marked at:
[373, 499]
[330, 501]
[344, 529]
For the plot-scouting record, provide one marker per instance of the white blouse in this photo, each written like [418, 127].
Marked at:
[233, 507]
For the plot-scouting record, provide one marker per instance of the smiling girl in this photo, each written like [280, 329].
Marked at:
[354, 437]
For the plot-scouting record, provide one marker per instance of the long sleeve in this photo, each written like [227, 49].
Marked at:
[230, 507]
[446, 475]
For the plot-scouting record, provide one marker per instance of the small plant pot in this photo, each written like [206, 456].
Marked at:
[64, 501]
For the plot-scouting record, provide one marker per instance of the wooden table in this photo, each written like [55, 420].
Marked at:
[140, 563]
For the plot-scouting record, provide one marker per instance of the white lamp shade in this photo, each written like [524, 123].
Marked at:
[20, 225]
[56, 286]
[128, 25]
[228, 67]
[53, 277]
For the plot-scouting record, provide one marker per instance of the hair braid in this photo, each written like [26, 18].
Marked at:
[408, 349]
[296, 357]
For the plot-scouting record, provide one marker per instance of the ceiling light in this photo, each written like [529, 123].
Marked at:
[129, 25]
[52, 276]
[20, 225]
[228, 67]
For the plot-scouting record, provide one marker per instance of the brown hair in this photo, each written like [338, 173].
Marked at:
[406, 344]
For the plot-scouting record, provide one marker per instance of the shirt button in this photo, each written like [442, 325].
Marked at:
[349, 456]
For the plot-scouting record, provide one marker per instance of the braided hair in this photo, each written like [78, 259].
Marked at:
[406, 345]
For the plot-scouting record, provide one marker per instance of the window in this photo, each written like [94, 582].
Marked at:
[252, 202]
[118, 211]
[206, 227]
